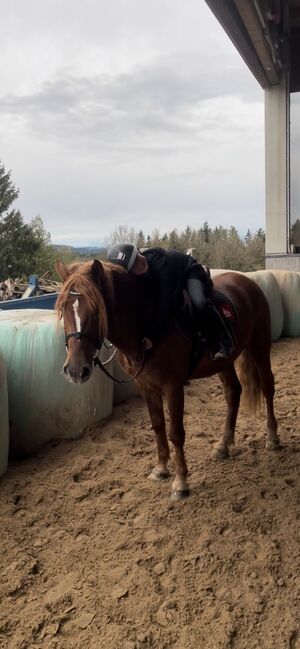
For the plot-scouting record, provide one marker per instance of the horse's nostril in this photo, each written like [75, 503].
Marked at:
[69, 372]
[85, 373]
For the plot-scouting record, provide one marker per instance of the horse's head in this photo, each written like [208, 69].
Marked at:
[82, 309]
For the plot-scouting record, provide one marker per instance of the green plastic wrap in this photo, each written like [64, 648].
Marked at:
[269, 286]
[43, 405]
[4, 431]
[289, 284]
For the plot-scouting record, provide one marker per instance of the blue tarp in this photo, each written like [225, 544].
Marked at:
[36, 302]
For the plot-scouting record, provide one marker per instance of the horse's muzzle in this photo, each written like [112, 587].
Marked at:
[80, 376]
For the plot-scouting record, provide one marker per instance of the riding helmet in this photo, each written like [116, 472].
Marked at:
[123, 254]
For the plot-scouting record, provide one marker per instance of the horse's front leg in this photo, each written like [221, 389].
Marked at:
[175, 400]
[232, 392]
[155, 407]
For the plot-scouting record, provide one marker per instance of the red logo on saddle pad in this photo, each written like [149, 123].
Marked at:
[227, 312]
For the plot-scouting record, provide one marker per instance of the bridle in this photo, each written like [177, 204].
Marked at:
[79, 335]
[98, 342]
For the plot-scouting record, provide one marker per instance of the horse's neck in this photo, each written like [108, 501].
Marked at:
[123, 311]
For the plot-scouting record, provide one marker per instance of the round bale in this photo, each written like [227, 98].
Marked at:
[4, 434]
[289, 284]
[43, 405]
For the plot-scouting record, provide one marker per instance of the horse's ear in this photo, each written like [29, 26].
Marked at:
[97, 271]
[62, 270]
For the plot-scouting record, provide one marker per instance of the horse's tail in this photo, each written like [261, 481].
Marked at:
[252, 395]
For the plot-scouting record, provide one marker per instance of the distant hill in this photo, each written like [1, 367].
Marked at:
[83, 251]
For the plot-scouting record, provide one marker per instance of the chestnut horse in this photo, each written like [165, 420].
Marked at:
[101, 300]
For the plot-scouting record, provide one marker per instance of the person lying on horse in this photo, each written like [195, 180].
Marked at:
[168, 273]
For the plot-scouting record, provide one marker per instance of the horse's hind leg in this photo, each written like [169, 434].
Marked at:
[155, 407]
[175, 400]
[232, 392]
[261, 357]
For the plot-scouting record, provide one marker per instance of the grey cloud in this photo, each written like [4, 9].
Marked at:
[158, 99]
[176, 139]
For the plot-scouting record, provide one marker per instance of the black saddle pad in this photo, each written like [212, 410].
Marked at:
[187, 324]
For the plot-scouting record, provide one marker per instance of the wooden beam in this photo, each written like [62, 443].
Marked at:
[230, 19]
[256, 33]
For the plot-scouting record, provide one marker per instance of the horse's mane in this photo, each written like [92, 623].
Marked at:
[81, 281]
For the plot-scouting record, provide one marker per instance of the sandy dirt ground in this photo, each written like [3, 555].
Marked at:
[94, 555]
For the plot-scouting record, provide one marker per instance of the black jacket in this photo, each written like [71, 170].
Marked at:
[165, 280]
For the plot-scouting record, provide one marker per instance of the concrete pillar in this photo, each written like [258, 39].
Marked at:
[277, 168]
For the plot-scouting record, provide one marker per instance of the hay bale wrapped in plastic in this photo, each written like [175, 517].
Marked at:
[289, 284]
[43, 405]
[269, 286]
[4, 430]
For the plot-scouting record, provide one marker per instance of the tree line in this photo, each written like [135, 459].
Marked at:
[216, 247]
[26, 248]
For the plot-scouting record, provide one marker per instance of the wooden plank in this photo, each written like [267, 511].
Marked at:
[230, 19]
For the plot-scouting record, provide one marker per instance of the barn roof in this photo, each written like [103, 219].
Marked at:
[267, 35]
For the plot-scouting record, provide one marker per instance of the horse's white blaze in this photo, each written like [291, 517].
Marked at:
[76, 315]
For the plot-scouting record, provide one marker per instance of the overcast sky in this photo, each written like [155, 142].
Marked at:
[128, 112]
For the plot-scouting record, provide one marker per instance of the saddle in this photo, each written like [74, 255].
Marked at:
[187, 323]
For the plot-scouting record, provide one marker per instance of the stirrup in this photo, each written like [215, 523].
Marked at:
[220, 356]
[222, 353]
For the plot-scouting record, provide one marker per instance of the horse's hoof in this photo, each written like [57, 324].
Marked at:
[220, 453]
[180, 494]
[273, 445]
[158, 476]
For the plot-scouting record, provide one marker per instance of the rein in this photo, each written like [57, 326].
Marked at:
[98, 363]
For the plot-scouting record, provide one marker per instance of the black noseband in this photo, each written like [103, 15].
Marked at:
[79, 335]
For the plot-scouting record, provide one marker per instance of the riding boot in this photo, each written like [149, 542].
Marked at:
[214, 330]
